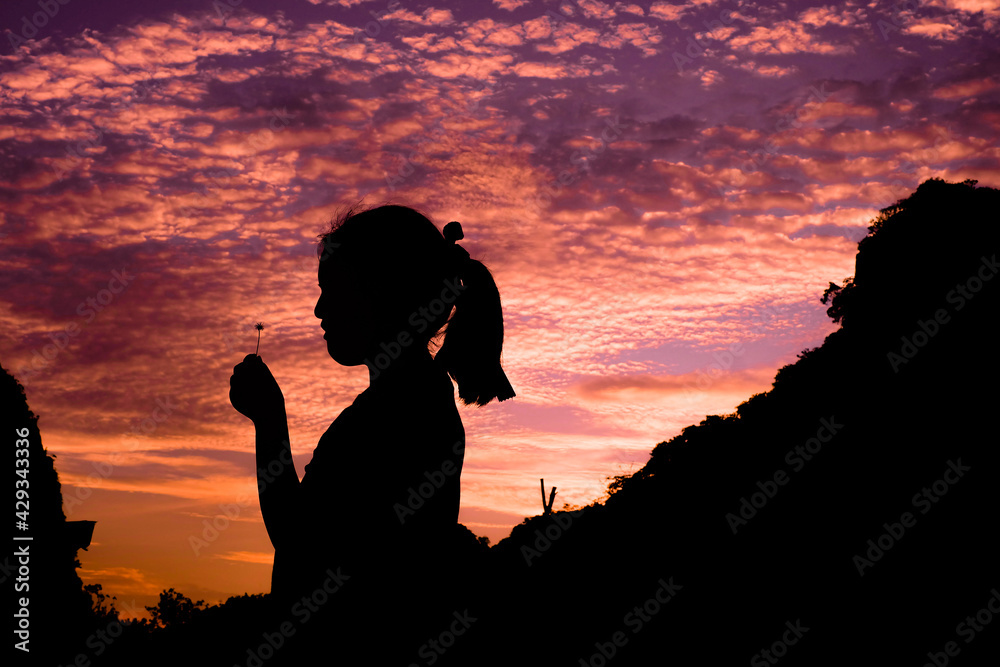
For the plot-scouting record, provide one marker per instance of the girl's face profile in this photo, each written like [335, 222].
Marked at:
[346, 314]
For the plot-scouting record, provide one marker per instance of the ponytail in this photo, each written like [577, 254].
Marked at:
[473, 338]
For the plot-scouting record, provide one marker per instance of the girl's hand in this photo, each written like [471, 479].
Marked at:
[254, 392]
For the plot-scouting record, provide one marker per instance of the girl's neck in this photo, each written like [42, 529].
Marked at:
[409, 364]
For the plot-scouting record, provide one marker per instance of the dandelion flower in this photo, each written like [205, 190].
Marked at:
[259, 327]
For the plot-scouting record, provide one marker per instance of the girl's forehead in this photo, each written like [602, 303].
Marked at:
[331, 266]
[338, 271]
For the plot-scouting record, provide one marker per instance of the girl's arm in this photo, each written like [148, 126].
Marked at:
[277, 482]
[255, 393]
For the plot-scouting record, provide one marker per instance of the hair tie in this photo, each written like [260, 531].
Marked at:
[458, 255]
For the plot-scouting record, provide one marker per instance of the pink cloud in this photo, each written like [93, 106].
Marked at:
[966, 89]
[430, 16]
[716, 376]
[928, 27]
[832, 15]
[786, 37]
[666, 11]
[567, 36]
[642, 36]
[510, 5]
[506, 36]
[595, 9]
[623, 8]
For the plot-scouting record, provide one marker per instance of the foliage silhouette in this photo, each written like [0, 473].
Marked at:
[174, 609]
[59, 607]
[588, 592]
[795, 557]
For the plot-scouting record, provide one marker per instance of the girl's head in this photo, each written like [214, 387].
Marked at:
[389, 282]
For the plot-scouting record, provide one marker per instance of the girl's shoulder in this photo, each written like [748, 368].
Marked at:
[349, 427]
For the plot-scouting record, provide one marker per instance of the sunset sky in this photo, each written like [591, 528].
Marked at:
[662, 191]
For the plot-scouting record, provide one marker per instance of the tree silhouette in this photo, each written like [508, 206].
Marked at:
[174, 609]
[59, 607]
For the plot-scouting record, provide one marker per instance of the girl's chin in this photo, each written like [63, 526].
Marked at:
[342, 357]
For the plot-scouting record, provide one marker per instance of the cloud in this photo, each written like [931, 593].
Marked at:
[430, 16]
[595, 9]
[785, 37]
[666, 11]
[969, 6]
[638, 223]
[342, 3]
[962, 90]
[257, 558]
[510, 5]
[674, 384]
[831, 15]
[711, 77]
[124, 580]
[624, 8]
[547, 70]
[927, 27]
[506, 36]
[567, 36]
[453, 65]
[642, 36]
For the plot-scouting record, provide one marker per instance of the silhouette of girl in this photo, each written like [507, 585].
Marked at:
[377, 508]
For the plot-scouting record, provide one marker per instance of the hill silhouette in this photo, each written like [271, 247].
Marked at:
[846, 516]
[853, 436]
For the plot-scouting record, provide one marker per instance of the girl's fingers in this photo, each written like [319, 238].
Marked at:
[250, 361]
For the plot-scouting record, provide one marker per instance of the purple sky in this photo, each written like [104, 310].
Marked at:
[663, 191]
